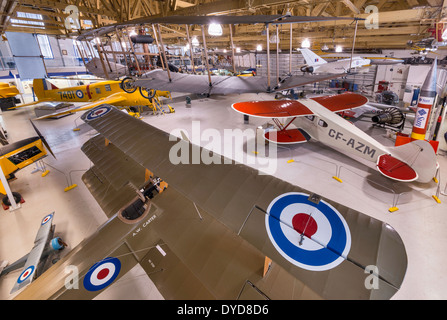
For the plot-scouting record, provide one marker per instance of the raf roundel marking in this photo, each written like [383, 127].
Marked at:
[46, 219]
[26, 274]
[79, 94]
[311, 236]
[102, 274]
[98, 112]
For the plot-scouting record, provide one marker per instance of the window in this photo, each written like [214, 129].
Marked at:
[45, 47]
[28, 21]
[76, 44]
[322, 123]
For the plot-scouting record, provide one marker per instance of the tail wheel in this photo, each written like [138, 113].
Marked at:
[17, 198]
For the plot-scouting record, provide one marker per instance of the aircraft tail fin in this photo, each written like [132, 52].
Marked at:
[311, 58]
[414, 161]
[40, 86]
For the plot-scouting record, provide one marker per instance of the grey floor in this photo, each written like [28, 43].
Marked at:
[420, 221]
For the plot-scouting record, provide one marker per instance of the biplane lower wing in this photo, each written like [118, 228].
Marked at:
[191, 83]
[220, 221]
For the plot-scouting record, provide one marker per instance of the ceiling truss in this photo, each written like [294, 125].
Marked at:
[399, 20]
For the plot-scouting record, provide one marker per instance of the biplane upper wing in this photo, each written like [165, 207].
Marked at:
[31, 264]
[341, 102]
[192, 83]
[112, 99]
[250, 205]
[292, 108]
[207, 234]
[201, 20]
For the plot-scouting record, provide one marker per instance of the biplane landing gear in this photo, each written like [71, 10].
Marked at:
[150, 93]
[17, 198]
[127, 85]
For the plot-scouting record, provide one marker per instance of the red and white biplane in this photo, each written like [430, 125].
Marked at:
[299, 121]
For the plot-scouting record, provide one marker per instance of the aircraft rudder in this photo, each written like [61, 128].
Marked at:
[420, 156]
[40, 86]
[311, 58]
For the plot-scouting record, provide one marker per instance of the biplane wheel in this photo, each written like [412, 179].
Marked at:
[127, 86]
[151, 93]
[17, 198]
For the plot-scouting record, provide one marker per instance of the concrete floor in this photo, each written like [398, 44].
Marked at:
[420, 221]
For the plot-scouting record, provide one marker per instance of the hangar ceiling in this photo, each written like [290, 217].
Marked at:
[399, 20]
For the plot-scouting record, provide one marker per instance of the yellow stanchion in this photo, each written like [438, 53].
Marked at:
[436, 199]
[70, 187]
[337, 178]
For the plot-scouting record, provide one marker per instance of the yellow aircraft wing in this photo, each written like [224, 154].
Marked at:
[30, 104]
[112, 99]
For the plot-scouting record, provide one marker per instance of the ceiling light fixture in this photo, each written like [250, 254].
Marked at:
[305, 43]
[215, 29]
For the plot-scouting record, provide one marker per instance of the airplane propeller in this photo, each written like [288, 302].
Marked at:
[43, 139]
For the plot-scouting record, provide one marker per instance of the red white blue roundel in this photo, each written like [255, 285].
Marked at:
[102, 274]
[26, 274]
[46, 219]
[79, 94]
[310, 236]
[98, 112]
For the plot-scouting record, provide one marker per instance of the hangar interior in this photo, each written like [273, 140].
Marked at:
[62, 49]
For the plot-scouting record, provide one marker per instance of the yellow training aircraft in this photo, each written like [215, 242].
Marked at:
[18, 155]
[110, 92]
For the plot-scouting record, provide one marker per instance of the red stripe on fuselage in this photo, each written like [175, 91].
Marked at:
[88, 91]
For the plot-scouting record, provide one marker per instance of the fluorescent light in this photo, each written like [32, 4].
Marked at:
[215, 29]
[338, 49]
[259, 47]
[305, 43]
[194, 41]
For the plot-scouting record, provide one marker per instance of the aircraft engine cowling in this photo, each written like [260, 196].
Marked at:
[57, 244]
[389, 116]
[307, 69]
